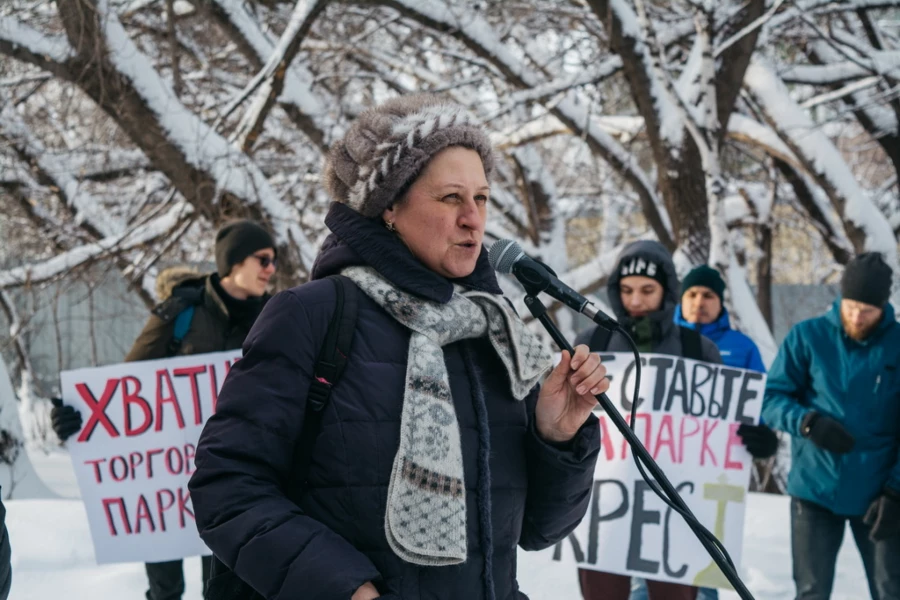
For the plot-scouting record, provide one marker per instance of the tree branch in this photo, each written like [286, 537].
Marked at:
[269, 82]
[480, 37]
[734, 57]
[302, 105]
[21, 42]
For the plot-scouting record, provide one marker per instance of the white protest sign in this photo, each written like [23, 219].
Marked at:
[135, 452]
[687, 418]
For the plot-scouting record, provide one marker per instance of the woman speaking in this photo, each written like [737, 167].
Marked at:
[446, 444]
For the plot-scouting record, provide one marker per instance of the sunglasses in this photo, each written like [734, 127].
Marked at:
[265, 261]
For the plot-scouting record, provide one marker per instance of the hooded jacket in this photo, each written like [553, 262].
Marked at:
[212, 328]
[666, 337]
[819, 367]
[737, 349]
[323, 539]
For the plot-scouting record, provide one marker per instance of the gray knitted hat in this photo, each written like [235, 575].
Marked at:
[388, 146]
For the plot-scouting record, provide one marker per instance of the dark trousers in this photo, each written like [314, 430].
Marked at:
[167, 578]
[816, 536]
[596, 585]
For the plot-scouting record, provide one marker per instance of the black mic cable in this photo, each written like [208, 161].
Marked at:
[507, 256]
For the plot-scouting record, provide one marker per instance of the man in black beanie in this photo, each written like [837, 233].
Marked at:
[222, 308]
[835, 388]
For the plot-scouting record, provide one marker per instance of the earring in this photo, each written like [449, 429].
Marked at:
[389, 225]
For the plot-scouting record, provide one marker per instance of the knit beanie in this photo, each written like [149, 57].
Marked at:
[388, 146]
[237, 240]
[707, 277]
[644, 266]
[867, 279]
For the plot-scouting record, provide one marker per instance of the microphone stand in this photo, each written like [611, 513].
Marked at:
[539, 311]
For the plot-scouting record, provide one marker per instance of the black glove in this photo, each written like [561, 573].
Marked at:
[883, 516]
[64, 419]
[826, 433]
[761, 441]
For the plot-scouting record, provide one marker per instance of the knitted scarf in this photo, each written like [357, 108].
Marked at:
[425, 520]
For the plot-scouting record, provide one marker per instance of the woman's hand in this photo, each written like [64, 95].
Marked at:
[567, 396]
[366, 591]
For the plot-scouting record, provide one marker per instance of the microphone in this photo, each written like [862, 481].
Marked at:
[507, 256]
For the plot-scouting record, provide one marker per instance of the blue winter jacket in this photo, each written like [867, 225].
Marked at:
[858, 383]
[737, 349]
[322, 539]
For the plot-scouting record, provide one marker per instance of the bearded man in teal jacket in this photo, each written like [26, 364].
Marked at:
[835, 388]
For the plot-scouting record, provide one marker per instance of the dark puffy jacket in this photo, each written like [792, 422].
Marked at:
[323, 540]
[211, 330]
[666, 334]
[5, 556]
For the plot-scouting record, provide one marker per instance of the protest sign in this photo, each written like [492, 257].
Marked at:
[687, 417]
[135, 452]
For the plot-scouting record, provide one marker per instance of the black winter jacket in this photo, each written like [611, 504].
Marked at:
[212, 328]
[323, 540]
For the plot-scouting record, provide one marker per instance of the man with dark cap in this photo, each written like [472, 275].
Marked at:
[702, 308]
[835, 388]
[197, 314]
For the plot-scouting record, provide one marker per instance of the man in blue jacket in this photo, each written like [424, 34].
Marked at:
[702, 309]
[835, 388]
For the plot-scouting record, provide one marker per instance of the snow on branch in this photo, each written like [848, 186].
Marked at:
[298, 81]
[604, 70]
[87, 208]
[885, 62]
[823, 7]
[268, 84]
[232, 170]
[20, 36]
[671, 123]
[865, 225]
[573, 109]
[875, 117]
[140, 235]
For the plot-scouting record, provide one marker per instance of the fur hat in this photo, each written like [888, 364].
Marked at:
[387, 147]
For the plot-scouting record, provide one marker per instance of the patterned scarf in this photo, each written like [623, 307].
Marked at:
[425, 521]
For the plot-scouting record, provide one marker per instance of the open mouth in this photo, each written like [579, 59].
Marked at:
[469, 244]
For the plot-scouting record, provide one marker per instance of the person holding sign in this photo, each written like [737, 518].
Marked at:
[643, 292]
[197, 314]
[443, 447]
[702, 308]
[835, 388]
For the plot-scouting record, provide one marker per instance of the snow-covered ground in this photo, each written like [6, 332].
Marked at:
[53, 556]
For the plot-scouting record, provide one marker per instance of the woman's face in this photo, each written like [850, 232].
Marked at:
[442, 218]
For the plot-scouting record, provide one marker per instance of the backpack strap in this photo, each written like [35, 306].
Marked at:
[333, 357]
[600, 339]
[691, 343]
[182, 326]
[179, 307]
[335, 350]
